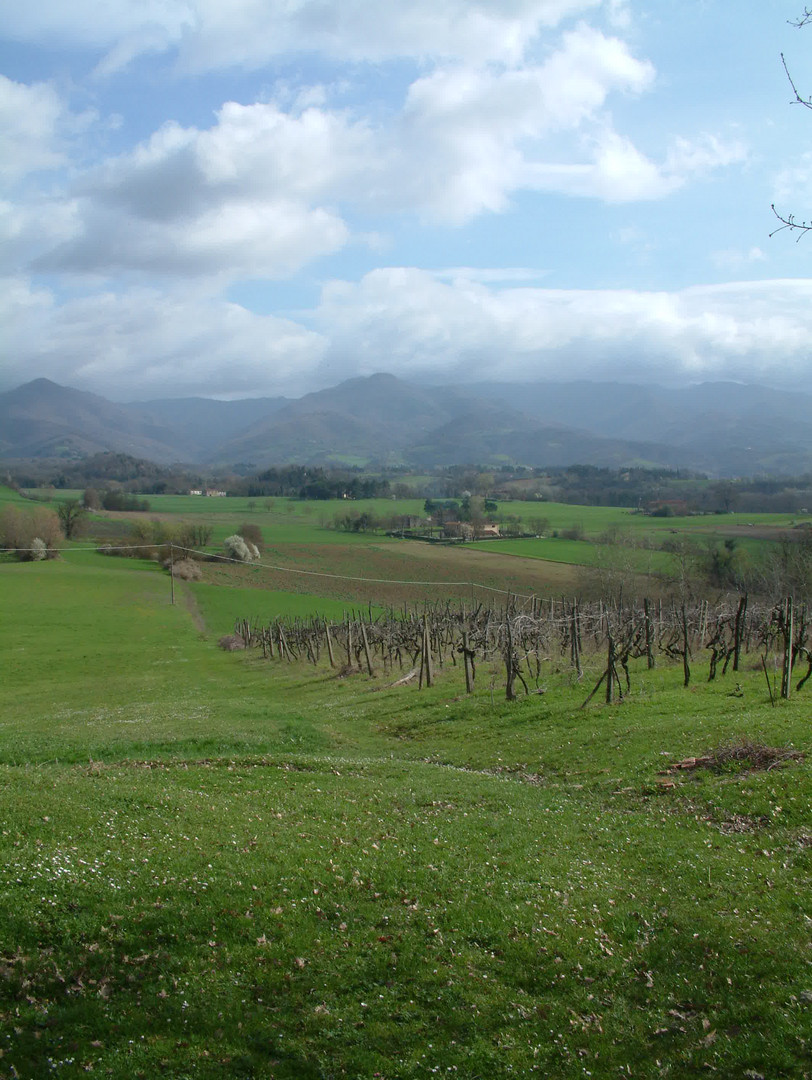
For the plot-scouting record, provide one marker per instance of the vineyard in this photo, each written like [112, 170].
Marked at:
[536, 638]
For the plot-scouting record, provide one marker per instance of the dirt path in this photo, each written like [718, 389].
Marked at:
[190, 603]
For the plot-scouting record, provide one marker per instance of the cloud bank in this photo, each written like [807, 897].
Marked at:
[414, 324]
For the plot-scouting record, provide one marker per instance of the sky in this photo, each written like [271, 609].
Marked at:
[265, 197]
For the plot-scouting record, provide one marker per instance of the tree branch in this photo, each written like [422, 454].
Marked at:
[790, 223]
[806, 102]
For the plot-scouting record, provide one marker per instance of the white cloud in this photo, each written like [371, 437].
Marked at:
[265, 190]
[409, 322]
[236, 200]
[148, 343]
[481, 134]
[257, 193]
[412, 323]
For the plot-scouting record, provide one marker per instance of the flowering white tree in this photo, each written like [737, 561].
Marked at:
[236, 547]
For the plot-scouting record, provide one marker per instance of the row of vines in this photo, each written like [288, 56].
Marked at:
[530, 640]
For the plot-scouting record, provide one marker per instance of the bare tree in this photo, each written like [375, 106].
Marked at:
[788, 221]
[70, 514]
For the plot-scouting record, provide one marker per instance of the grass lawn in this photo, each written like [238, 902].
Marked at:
[213, 865]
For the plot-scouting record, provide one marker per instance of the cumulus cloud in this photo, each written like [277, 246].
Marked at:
[481, 134]
[145, 343]
[410, 322]
[234, 200]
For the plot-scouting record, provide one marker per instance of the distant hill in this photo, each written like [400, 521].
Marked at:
[719, 428]
[730, 428]
[198, 424]
[44, 419]
[378, 418]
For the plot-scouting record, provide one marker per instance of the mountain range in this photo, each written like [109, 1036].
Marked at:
[723, 429]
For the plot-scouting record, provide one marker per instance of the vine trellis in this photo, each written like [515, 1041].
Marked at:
[523, 637]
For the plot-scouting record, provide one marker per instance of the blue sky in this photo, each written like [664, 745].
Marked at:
[265, 197]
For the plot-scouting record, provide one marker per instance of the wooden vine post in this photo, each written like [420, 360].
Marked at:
[468, 663]
[649, 634]
[370, 669]
[426, 670]
[789, 628]
[329, 642]
[610, 671]
[738, 630]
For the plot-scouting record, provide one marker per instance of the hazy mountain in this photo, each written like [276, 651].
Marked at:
[721, 428]
[43, 419]
[199, 424]
[375, 418]
[712, 416]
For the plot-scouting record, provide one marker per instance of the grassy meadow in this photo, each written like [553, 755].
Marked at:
[219, 866]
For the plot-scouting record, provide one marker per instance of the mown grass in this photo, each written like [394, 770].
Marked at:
[218, 866]
[220, 607]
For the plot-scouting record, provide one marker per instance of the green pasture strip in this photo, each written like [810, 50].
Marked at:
[53, 494]
[258, 505]
[98, 663]
[280, 530]
[597, 519]
[10, 497]
[582, 553]
[220, 606]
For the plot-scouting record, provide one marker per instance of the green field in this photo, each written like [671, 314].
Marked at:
[215, 865]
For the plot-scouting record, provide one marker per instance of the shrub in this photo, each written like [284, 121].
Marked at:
[39, 550]
[574, 532]
[252, 534]
[187, 570]
[19, 528]
[241, 550]
[123, 500]
[193, 535]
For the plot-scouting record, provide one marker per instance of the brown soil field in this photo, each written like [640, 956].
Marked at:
[395, 573]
